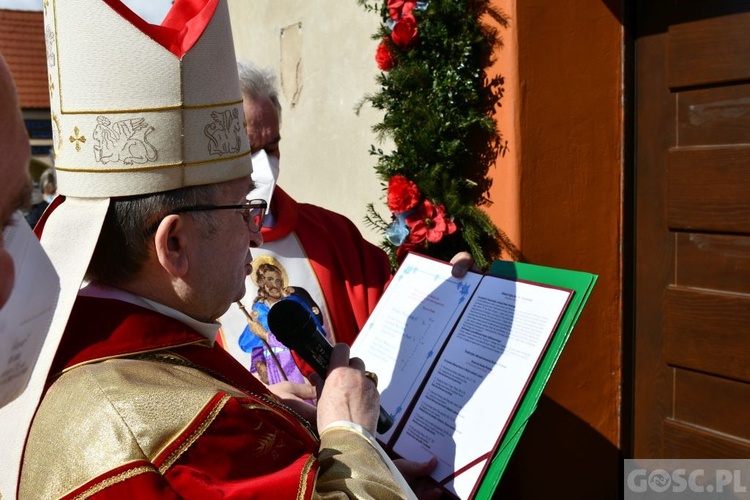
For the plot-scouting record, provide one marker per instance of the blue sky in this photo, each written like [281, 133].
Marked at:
[152, 11]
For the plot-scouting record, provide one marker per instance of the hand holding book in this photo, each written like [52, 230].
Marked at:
[456, 357]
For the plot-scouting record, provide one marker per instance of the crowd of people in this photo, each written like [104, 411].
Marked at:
[156, 387]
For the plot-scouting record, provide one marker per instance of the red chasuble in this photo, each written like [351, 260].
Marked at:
[240, 442]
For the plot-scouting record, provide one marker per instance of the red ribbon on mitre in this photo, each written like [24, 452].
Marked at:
[182, 27]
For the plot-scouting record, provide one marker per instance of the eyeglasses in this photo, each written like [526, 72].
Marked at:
[253, 212]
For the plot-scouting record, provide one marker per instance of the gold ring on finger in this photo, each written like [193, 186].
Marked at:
[372, 377]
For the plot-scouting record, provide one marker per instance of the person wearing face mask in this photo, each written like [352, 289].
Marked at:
[28, 283]
[27, 311]
[29, 288]
[320, 251]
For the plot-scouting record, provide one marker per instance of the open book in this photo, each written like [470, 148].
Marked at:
[462, 362]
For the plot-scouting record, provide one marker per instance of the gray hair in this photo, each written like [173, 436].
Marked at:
[123, 245]
[259, 83]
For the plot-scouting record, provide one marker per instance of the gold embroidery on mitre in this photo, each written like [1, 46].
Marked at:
[151, 109]
[124, 141]
[152, 167]
[114, 480]
[224, 132]
[53, 40]
[77, 138]
[56, 133]
[49, 42]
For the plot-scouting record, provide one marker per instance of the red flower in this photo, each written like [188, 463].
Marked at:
[397, 8]
[383, 56]
[403, 194]
[429, 222]
[404, 33]
[407, 8]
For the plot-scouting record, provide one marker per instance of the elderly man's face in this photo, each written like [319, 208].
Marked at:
[262, 126]
[15, 188]
[229, 248]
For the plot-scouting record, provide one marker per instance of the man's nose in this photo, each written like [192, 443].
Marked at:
[256, 240]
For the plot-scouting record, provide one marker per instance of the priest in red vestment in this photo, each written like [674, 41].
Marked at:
[307, 247]
[153, 220]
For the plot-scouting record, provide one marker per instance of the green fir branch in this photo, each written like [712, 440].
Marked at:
[437, 103]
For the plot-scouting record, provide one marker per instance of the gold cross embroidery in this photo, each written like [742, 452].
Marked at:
[78, 139]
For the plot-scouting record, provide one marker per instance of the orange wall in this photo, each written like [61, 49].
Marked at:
[505, 194]
[557, 193]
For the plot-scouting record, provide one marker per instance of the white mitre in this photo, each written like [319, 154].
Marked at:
[130, 116]
[136, 109]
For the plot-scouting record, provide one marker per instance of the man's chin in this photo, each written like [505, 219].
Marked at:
[241, 294]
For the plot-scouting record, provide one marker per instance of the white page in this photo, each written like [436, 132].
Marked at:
[407, 329]
[478, 380]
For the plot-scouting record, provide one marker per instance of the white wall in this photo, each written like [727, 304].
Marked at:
[325, 57]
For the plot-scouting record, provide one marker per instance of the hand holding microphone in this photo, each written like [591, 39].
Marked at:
[347, 394]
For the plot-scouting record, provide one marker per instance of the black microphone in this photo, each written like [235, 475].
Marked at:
[295, 327]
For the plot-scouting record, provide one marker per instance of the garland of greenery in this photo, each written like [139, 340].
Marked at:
[438, 105]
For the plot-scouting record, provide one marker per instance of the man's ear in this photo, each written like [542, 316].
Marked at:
[171, 242]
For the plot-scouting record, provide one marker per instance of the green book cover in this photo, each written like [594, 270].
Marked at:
[463, 361]
[581, 283]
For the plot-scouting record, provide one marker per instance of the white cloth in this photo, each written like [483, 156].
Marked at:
[265, 175]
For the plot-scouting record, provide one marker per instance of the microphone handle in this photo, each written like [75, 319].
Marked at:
[384, 421]
[310, 344]
[319, 355]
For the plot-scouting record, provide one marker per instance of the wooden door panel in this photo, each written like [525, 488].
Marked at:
[692, 229]
[714, 116]
[709, 189]
[708, 332]
[712, 402]
[685, 441]
[713, 261]
[711, 50]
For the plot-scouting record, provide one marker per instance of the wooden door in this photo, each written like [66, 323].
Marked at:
[692, 229]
